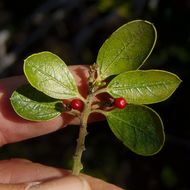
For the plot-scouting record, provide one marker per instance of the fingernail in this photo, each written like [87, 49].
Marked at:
[66, 183]
[32, 184]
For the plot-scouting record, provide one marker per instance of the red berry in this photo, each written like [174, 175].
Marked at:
[120, 103]
[77, 104]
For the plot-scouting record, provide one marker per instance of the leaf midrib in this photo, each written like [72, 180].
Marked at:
[122, 49]
[129, 124]
[127, 86]
[48, 105]
[51, 77]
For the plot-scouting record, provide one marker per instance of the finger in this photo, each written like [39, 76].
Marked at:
[18, 174]
[13, 128]
[66, 183]
[25, 171]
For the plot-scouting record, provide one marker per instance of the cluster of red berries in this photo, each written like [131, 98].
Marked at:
[78, 104]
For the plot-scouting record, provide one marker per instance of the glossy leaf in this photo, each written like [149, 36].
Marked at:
[138, 127]
[126, 49]
[48, 73]
[144, 87]
[32, 104]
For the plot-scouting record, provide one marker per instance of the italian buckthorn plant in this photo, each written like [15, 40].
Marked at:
[115, 72]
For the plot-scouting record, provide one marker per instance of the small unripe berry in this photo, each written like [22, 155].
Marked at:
[77, 104]
[120, 103]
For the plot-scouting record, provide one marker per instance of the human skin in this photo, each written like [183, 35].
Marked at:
[20, 174]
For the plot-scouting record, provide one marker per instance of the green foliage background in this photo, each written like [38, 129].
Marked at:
[75, 30]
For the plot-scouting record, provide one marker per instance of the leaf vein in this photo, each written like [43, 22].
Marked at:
[50, 76]
[118, 55]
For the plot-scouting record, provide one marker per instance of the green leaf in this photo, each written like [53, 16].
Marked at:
[32, 104]
[144, 87]
[48, 73]
[138, 127]
[127, 48]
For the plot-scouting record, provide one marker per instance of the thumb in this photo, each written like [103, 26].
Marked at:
[69, 182]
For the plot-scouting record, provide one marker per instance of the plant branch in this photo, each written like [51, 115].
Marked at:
[77, 166]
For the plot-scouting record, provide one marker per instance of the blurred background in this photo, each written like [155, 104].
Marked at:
[75, 30]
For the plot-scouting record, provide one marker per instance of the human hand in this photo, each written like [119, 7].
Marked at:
[19, 174]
